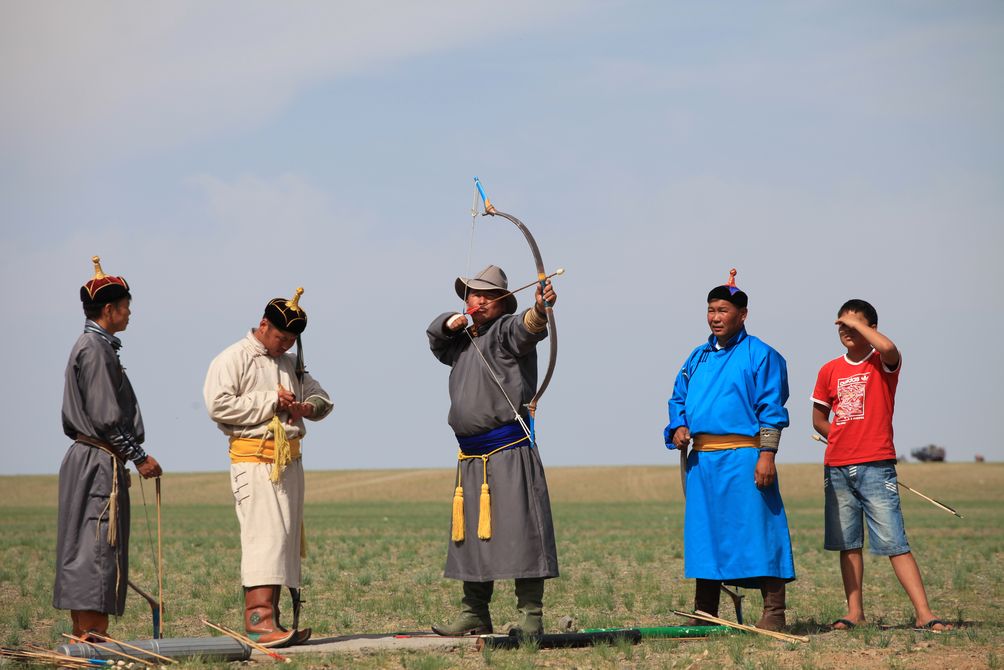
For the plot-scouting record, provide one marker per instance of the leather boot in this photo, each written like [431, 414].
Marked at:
[261, 616]
[300, 636]
[474, 618]
[530, 602]
[773, 592]
[89, 621]
[706, 595]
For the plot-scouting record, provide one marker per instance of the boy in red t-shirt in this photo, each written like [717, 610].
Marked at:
[860, 462]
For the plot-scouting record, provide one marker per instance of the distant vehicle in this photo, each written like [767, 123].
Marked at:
[931, 453]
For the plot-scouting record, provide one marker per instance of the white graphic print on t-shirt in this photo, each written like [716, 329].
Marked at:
[851, 397]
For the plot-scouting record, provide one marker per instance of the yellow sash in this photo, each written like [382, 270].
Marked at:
[258, 450]
[706, 442]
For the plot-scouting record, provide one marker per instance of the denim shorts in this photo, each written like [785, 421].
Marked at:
[867, 490]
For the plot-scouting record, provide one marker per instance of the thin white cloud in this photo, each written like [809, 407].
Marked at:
[123, 77]
[252, 206]
[905, 70]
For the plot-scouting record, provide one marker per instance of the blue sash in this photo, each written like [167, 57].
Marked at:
[479, 445]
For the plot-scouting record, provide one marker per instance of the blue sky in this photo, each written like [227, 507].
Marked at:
[221, 154]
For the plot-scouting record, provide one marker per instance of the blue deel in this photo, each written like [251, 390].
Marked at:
[734, 390]
[733, 531]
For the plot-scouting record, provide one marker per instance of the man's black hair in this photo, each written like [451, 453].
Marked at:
[863, 307]
[93, 311]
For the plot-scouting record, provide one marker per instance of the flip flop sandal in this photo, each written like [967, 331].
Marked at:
[929, 627]
[847, 623]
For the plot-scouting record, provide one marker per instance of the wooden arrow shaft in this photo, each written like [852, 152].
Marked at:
[471, 310]
[820, 438]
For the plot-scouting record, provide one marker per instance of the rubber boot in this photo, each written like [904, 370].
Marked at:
[773, 592]
[530, 603]
[706, 595]
[89, 621]
[474, 618]
[261, 617]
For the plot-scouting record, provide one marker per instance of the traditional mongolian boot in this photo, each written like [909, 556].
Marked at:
[772, 590]
[300, 636]
[89, 621]
[261, 617]
[706, 595]
[530, 603]
[474, 618]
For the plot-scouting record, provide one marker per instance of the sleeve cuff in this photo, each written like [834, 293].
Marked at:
[321, 406]
[770, 438]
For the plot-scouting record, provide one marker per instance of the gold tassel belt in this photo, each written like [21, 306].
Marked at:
[485, 507]
[706, 442]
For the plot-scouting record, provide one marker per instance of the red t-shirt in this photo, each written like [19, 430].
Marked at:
[862, 397]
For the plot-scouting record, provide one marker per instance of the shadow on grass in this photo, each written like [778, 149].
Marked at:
[376, 636]
[810, 627]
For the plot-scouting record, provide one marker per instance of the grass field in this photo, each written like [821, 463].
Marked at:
[377, 543]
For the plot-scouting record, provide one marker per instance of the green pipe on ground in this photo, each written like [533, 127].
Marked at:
[671, 631]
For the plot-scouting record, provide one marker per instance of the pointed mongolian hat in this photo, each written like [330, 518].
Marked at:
[729, 292]
[103, 289]
[286, 314]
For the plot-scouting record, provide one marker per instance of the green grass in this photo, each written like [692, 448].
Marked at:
[375, 566]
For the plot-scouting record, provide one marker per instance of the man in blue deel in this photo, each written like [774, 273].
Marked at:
[729, 399]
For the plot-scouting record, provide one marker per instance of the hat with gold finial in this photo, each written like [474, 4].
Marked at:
[729, 292]
[287, 314]
[103, 289]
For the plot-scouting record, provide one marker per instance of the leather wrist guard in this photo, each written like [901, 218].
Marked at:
[534, 322]
[126, 444]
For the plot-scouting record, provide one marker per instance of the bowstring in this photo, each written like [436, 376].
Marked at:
[149, 533]
[519, 418]
[470, 247]
[470, 252]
